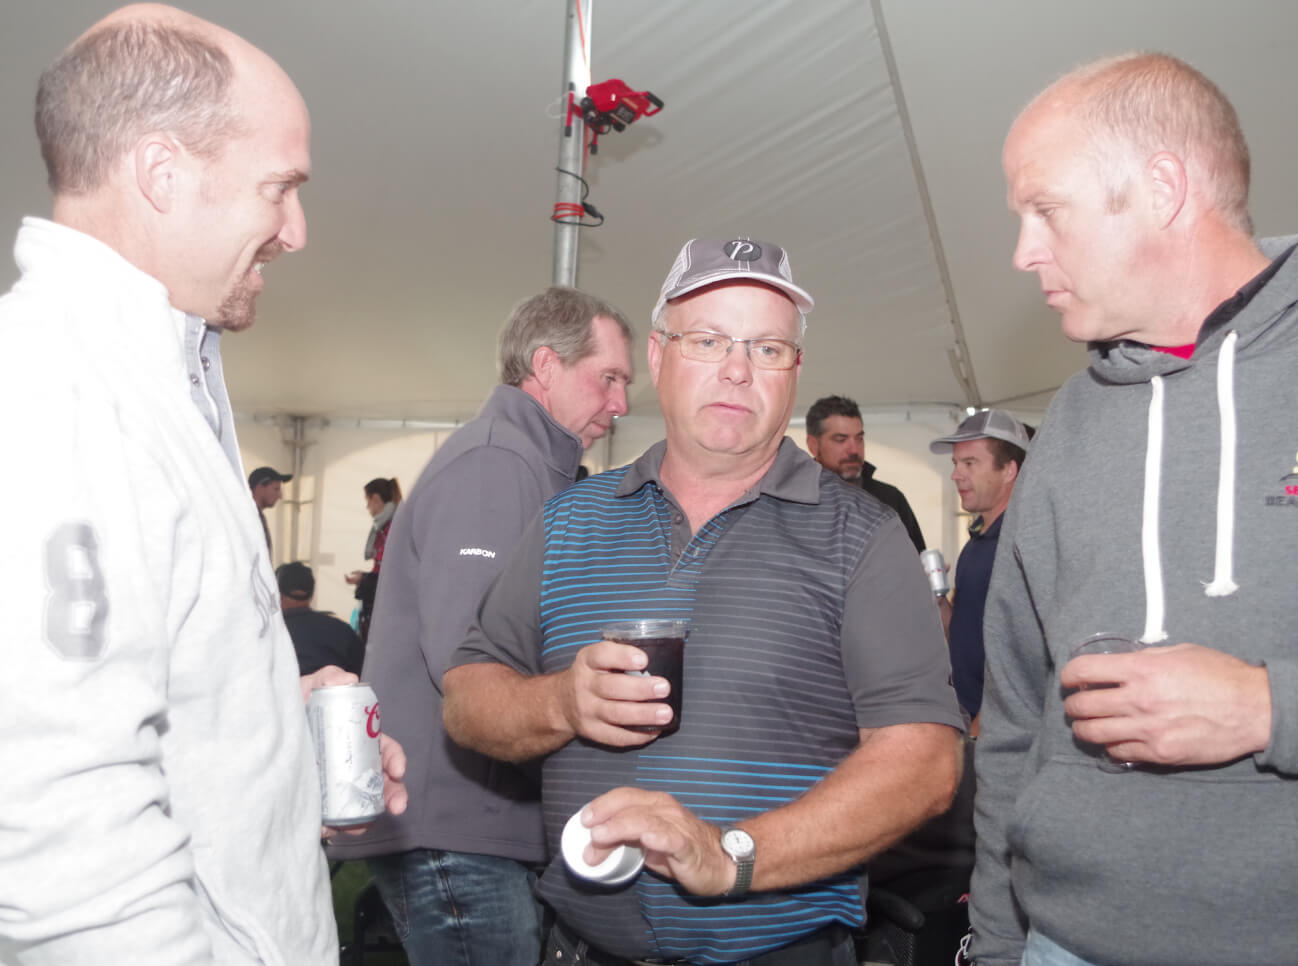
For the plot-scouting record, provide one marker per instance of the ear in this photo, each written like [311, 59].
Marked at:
[1011, 470]
[813, 446]
[545, 362]
[1169, 186]
[656, 342]
[156, 160]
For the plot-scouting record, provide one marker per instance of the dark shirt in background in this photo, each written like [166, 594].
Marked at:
[320, 639]
[888, 494]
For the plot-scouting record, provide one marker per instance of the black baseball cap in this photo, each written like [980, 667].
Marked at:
[295, 580]
[267, 474]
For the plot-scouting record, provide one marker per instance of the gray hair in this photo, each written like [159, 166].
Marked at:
[561, 318]
[122, 81]
[1149, 102]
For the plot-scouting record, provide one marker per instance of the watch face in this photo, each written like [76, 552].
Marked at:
[737, 842]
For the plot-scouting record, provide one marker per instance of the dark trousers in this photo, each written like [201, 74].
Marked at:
[831, 946]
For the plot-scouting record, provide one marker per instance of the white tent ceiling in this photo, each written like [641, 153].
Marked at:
[864, 137]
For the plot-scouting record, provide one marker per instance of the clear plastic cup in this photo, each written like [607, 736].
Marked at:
[1107, 643]
[663, 642]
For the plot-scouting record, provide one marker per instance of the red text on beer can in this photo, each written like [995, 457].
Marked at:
[344, 724]
[935, 567]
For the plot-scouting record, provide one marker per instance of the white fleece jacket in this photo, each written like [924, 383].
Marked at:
[159, 801]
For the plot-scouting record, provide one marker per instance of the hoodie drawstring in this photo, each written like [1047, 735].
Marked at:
[1154, 602]
[1223, 583]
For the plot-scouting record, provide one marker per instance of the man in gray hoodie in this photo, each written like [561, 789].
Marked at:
[1160, 504]
[455, 869]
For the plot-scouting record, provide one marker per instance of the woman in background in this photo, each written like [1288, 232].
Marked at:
[381, 499]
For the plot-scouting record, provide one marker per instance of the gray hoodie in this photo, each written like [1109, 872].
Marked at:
[1160, 502]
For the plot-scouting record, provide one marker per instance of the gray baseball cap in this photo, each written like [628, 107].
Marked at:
[988, 424]
[705, 262]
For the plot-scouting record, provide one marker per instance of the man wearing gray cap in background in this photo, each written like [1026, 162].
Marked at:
[933, 864]
[818, 724]
[987, 451]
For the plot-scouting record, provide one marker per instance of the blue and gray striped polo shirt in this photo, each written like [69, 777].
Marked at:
[810, 618]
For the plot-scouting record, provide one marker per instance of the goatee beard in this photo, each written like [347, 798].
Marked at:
[238, 310]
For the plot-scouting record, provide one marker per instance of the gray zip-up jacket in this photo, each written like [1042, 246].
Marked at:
[449, 539]
[1160, 502]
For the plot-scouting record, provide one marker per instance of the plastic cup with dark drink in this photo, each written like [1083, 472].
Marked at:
[663, 642]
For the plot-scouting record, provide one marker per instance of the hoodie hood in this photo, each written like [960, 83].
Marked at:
[1123, 362]
[1234, 327]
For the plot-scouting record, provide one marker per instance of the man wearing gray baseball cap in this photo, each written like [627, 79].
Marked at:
[817, 723]
[986, 450]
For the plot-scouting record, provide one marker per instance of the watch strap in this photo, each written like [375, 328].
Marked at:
[743, 865]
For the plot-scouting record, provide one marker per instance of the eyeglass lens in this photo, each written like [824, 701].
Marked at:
[713, 346]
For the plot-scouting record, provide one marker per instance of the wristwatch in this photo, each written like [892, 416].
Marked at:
[739, 845]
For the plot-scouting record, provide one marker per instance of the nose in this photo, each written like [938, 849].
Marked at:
[617, 403]
[737, 366]
[1028, 252]
[293, 233]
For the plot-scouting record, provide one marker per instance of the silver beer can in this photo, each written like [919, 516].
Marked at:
[935, 567]
[344, 724]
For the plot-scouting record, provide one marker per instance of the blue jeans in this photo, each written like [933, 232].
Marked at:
[460, 909]
[1041, 951]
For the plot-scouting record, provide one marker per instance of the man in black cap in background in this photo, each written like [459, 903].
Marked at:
[319, 638]
[267, 485]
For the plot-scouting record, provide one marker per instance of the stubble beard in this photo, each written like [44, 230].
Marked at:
[851, 470]
[238, 310]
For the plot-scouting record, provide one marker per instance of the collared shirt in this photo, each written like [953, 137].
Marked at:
[809, 619]
[973, 574]
[202, 354]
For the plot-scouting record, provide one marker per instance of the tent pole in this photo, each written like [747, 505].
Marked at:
[299, 462]
[572, 140]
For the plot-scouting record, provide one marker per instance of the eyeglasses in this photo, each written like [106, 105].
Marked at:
[700, 346]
